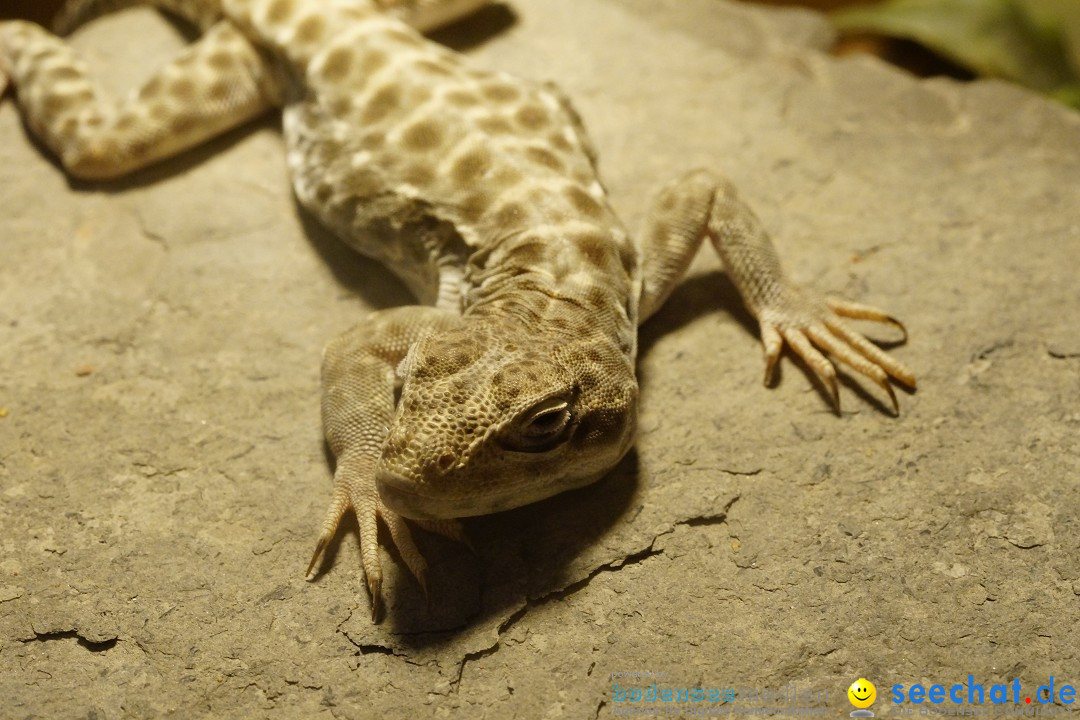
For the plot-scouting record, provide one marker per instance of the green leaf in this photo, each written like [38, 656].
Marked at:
[1058, 18]
[1033, 42]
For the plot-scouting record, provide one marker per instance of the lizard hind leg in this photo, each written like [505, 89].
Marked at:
[214, 84]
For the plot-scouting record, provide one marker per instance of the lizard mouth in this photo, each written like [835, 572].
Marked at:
[409, 500]
[400, 495]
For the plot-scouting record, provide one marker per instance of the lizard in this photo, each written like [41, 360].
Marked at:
[513, 378]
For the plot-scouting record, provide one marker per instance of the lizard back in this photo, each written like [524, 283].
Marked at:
[420, 160]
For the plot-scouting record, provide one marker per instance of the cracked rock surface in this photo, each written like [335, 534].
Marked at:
[162, 469]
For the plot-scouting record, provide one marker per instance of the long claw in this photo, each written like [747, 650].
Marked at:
[859, 311]
[773, 343]
[848, 354]
[339, 504]
[319, 547]
[884, 385]
[823, 369]
[871, 352]
[374, 586]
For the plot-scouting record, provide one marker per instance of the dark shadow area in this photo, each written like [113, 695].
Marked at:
[39, 11]
[476, 28]
[520, 554]
[694, 297]
[907, 54]
[374, 282]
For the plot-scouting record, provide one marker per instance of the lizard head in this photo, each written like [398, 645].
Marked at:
[490, 418]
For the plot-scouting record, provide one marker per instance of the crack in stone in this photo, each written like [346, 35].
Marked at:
[91, 645]
[574, 587]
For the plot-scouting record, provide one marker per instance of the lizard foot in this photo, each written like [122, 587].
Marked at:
[355, 490]
[808, 322]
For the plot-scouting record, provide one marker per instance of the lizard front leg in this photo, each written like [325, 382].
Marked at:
[215, 84]
[703, 204]
[359, 376]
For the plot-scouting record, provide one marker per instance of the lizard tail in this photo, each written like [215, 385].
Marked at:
[75, 13]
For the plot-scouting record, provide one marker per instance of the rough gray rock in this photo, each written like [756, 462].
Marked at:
[162, 467]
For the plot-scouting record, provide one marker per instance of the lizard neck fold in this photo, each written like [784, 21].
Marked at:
[573, 280]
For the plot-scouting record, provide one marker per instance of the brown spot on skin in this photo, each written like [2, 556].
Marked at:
[323, 192]
[509, 214]
[595, 250]
[55, 103]
[462, 98]
[151, 88]
[220, 60]
[69, 126]
[310, 30]
[382, 104]
[418, 174]
[336, 64]
[495, 125]
[658, 237]
[583, 202]
[532, 117]
[280, 10]
[422, 135]
[218, 91]
[558, 141]
[361, 185]
[341, 106]
[474, 206]
[501, 92]
[471, 166]
[508, 176]
[372, 140]
[627, 257]
[529, 254]
[63, 73]
[125, 122]
[372, 61]
[182, 88]
[597, 297]
[558, 323]
[545, 157]
[181, 124]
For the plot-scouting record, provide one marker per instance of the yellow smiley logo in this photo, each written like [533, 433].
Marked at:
[862, 693]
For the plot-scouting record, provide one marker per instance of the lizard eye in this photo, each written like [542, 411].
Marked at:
[541, 428]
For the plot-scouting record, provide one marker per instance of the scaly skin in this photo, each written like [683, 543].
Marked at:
[480, 190]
